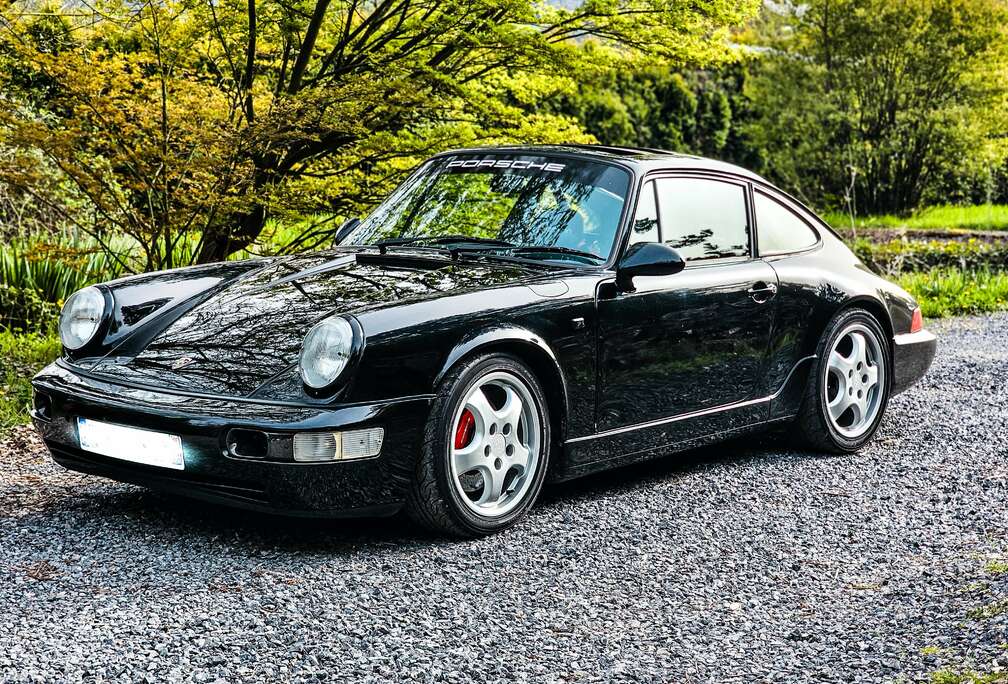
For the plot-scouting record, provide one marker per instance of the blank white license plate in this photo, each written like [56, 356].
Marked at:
[131, 444]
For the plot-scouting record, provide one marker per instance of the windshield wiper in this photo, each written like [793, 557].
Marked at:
[439, 240]
[555, 249]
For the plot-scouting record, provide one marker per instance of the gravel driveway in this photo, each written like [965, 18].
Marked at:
[743, 562]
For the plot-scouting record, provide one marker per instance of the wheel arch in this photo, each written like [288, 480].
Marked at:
[876, 308]
[531, 349]
[813, 426]
[788, 396]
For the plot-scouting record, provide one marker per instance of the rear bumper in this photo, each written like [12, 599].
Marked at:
[912, 356]
[274, 484]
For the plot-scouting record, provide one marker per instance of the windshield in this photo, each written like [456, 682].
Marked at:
[568, 208]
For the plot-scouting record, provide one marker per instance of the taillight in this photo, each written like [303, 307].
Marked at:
[917, 322]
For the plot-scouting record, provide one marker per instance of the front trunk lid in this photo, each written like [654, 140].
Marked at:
[240, 336]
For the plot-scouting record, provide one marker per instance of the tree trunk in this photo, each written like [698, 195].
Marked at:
[220, 244]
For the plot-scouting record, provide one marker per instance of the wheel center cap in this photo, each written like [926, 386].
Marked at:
[497, 444]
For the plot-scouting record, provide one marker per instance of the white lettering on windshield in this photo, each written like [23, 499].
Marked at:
[516, 164]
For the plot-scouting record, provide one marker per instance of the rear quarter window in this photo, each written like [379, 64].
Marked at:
[780, 229]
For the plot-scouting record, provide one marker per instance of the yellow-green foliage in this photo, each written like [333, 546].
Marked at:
[21, 356]
[997, 567]
[182, 126]
[990, 610]
[968, 677]
[895, 256]
[942, 217]
[54, 271]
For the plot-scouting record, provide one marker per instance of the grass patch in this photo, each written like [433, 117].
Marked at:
[991, 610]
[21, 356]
[953, 677]
[997, 567]
[943, 217]
[953, 292]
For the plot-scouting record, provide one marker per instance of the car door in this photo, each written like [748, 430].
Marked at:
[697, 340]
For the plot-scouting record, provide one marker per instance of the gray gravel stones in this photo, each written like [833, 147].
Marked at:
[742, 562]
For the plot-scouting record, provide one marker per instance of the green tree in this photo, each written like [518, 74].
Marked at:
[182, 118]
[869, 104]
[662, 107]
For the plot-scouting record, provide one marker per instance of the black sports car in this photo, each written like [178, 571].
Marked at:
[506, 316]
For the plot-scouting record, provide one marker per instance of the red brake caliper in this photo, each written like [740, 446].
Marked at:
[465, 429]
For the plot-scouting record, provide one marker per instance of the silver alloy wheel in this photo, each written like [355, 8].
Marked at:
[855, 380]
[494, 455]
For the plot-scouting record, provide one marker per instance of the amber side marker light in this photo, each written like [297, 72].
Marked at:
[917, 322]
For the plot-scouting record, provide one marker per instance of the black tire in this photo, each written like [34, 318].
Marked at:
[432, 500]
[815, 429]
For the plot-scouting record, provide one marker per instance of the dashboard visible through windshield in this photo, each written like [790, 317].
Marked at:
[556, 208]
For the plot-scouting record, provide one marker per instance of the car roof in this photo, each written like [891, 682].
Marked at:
[643, 158]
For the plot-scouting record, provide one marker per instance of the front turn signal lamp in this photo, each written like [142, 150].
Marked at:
[323, 447]
[917, 321]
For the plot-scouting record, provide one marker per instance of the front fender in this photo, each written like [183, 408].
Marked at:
[528, 346]
[496, 336]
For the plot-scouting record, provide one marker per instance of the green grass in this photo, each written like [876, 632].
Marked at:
[953, 677]
[944, 217]
[21, 356]
[996, 567]
[991, 610]
[953, 292]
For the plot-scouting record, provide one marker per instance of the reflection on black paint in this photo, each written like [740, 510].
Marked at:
[248, 333]
[682, 343]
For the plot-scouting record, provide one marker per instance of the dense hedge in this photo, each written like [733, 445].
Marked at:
[896, 256]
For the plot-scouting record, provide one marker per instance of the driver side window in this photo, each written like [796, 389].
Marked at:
[703, 218]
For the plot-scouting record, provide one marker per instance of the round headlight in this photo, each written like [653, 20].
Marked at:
[325, 352]
[82, 314]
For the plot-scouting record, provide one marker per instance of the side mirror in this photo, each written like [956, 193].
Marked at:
[346, 229]
[647, 259]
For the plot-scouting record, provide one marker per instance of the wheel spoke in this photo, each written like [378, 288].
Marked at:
[858, 350]
[838, 405]
[859, 409]
[469, 457]
[520, 457]
[838, 365]
[493, 485]
[872, 373]
[479, 406]
[511, 411]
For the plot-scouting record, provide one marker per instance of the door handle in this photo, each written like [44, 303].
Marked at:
[762, 292]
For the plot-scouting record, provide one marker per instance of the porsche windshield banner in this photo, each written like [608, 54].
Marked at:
[514, 164]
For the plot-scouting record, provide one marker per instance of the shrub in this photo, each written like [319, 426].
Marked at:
[950, 292]
[21, 309]
[54, 272]
[897, 256]
[20, 357]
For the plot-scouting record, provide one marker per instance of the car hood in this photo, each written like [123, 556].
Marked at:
[240, 333]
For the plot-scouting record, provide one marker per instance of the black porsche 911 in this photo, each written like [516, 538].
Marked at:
[506, 316]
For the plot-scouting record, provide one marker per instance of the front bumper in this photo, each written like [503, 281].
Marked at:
[912, 356]
[374, 486]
